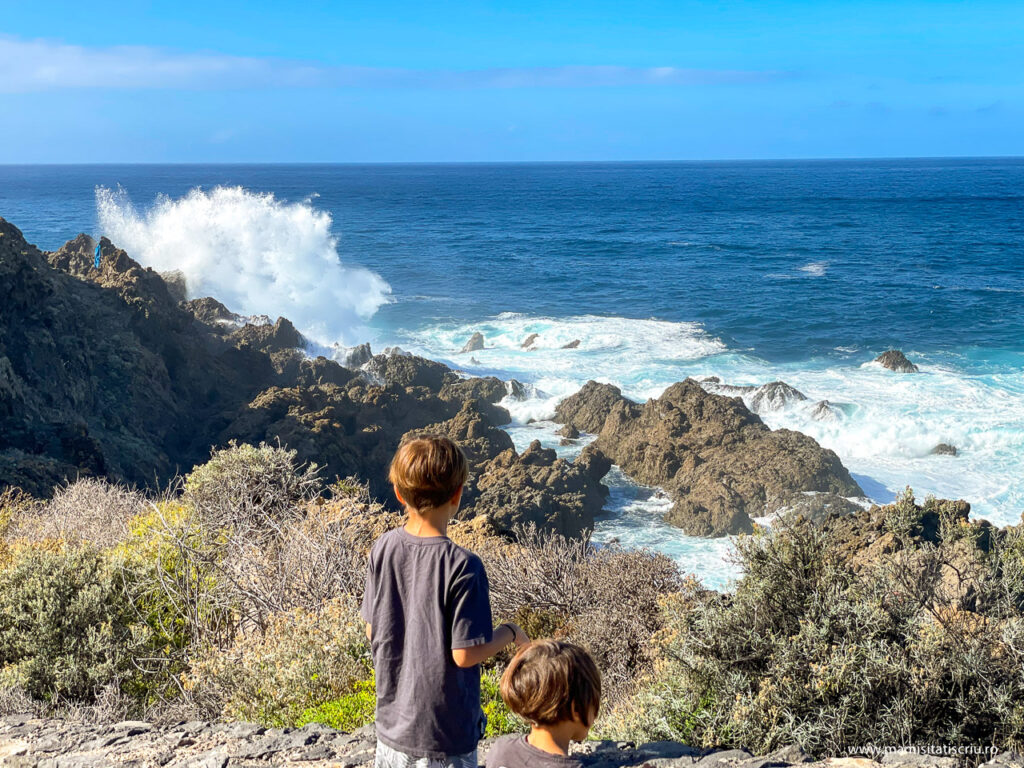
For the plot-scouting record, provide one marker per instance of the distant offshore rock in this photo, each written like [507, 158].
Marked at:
[572, 344]
[528, 341]
[476, 342]
[895, 360]
[944, 449]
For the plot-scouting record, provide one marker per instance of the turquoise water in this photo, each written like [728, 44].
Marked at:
[751, 272]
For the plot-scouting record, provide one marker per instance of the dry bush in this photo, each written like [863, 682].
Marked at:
[300, 660]
[924, 645]
[606, 599]
[89, 510]
[249, 489]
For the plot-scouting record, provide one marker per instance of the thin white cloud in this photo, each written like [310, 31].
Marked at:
[43, 65]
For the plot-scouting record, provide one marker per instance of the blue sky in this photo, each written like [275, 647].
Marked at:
[444, 81]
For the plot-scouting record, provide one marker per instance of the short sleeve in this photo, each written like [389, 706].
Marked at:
[370, 593]
[471, 607]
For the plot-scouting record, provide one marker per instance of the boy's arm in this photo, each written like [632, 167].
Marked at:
[476, 654]
[369, 631]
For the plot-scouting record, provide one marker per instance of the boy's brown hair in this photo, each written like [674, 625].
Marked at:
[428, 470]
[551, 681]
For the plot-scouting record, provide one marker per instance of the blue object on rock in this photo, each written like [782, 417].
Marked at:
[96, 261]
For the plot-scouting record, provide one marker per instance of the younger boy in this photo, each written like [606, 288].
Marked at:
[428, 616]
[556, 688]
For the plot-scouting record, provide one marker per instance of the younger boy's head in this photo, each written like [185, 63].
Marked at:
[428, 471]
[550, 682]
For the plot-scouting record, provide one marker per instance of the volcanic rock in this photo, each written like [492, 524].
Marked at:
[774, 396]
[280, 336]
[476, 341]
[210, 311]
[895, 360]
[516, 389]
[569, 431]
[823, 410]
[944, 449]
[528, 341]
[720, 462]
[357, 356]
[572, 344]
[588, 408]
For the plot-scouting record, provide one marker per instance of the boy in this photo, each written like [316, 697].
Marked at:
[428, 616]
[556, 687]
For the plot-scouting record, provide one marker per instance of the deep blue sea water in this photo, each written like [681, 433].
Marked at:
[751, 271]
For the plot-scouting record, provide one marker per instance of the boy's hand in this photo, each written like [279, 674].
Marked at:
[521, 638]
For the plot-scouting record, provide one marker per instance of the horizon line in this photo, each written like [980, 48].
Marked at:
[835, 158]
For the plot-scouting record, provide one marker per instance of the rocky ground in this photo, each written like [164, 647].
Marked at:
[27, 741]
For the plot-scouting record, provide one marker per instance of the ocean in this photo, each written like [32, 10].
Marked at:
[749, 271]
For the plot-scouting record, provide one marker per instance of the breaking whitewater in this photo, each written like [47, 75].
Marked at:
[954, 428]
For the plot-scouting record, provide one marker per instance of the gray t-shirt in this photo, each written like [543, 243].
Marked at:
[424, 597]
[516, 752]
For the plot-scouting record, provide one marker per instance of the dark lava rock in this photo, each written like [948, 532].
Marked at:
[572, 344]
[476, 341]
[588, 408]
[408, 371]
[720, 462]
[280, 336]
[569, 431]
[516, 390]
[528, 341]
[537, 487]
[210, 311]
[944, 449]
[895, 360]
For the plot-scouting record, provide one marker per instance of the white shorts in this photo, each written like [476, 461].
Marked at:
[387, 757]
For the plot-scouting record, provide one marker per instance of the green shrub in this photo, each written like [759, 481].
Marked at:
[918, 646]
[65, 625]
[300, 661]
[250, 489]
[346, 713]
[500, 719]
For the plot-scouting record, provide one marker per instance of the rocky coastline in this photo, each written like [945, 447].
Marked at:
[52, 743]
[112, 372]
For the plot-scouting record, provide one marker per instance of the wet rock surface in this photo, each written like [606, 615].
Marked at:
[719, 461]
[49, 743]
[895, 360]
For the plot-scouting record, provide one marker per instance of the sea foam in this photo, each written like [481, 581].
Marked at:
[884, 430]
[253, 252]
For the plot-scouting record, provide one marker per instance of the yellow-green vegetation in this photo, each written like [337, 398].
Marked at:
[500, 719]
[300, 660]
[346, 713]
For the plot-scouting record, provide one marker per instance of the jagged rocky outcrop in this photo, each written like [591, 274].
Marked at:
[944, 449]
[895, 360]
[476, 342]
[101, 372]
[105, 372]
[719, 461]
[773, 396]
[49, 743]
